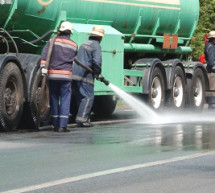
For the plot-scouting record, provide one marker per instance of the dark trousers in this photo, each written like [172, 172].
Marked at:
[210, 100]
[84, 95]
[60, 97]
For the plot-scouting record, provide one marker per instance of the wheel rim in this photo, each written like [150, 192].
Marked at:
[178, 92]
[11, 97]
[156, 92]
[198, 92]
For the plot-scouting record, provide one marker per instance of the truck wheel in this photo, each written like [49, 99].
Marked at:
[11, 97]
[45, 113]
[104, 105]
[156, 96]
[31, 113]
[196, 91]
[176, 96]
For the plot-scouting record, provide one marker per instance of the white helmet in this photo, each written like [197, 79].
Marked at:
[66, 26]
[211, 34]
[97, 31]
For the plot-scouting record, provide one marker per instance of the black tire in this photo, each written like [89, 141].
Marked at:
[156, 96]
[176, 95]
[32, 113]
[11, 97]
[104, 105]
[196, 91]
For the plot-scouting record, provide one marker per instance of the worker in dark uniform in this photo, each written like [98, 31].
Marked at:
[83, 81]
[209, 52]
[60, 75]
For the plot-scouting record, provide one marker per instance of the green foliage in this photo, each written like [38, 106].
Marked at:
[206, 24]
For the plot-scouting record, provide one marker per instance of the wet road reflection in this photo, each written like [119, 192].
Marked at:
[177, 137]
[159, 137]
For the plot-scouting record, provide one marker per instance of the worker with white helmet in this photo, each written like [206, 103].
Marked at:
[209, 52]
[83, 81]
[60, 75]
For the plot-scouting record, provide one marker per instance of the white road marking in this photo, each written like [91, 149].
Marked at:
[107, 172]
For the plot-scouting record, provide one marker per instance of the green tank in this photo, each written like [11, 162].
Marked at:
[145, 18]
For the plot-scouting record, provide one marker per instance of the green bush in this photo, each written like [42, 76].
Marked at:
[206, 24]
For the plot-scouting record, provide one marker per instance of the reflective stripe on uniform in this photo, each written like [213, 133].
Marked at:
[85, 109]
[63, 116]
[59, 75]
[65, 72]
[66, 45]
[65, 41]
[81, 119]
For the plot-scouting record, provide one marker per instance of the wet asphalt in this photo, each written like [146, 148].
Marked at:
[122, 155]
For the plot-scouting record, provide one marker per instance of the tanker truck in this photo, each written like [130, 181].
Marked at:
[145, 52]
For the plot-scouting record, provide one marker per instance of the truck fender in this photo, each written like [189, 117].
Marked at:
[170, 69]
[147, 72]
[30, 63]
[194, 65]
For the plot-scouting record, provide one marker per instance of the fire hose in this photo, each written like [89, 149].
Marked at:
[44, 79]
[99, 77]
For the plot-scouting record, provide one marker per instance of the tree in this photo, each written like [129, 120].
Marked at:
[206, 24]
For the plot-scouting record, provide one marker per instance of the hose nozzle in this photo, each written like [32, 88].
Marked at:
[102, 79]
[98, 77]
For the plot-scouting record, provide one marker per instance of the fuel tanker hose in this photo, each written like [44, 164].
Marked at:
[14, 43]
[4, 40]
[44, 78]
[40, 38]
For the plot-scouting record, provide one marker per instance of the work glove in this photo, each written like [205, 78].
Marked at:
[44, 71]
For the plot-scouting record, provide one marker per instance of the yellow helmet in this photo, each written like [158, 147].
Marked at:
[97, 31]
[211, 34]
[66, 26]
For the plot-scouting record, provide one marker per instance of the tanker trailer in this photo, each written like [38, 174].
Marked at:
[145, 49]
